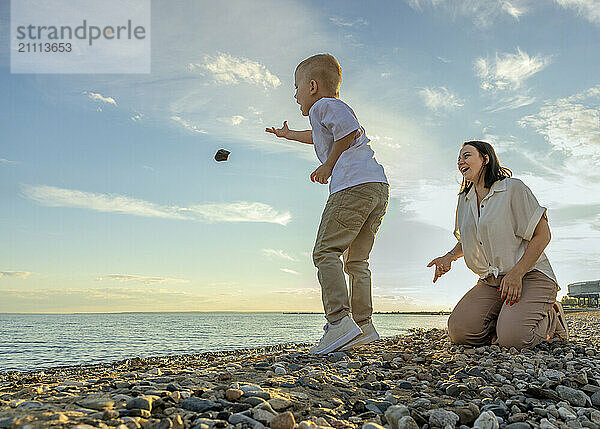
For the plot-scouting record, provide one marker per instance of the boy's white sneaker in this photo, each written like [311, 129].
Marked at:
[336, 335]
[369, 334]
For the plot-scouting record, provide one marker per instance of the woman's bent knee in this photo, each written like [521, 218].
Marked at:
[468, 331]
[456, 333]
[517, 338]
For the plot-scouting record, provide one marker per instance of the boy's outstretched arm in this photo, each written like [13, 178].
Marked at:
[323, 173]
[286, 133]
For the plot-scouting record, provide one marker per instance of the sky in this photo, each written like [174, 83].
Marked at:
[112, 200]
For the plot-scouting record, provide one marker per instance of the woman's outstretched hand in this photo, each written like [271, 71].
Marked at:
[510, 288]
[443, 264]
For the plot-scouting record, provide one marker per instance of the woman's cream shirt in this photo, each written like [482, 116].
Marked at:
[494, 240]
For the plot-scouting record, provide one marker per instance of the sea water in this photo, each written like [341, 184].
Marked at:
[36, 341]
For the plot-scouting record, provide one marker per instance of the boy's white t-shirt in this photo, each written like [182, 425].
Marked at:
[331, 119]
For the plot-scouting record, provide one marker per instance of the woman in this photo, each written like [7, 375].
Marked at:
[502, 232]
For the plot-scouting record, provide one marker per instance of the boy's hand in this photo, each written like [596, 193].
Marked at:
[279, 132]
[321, 174]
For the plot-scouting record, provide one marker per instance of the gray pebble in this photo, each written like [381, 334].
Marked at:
[198, 405]
[407, 422]
[440, 418]
[141, 403]
[486, 420]
[575, 397]
[6, 422]
[234, 419]
[394, 413]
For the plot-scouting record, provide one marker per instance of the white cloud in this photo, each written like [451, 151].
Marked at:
[512, 9]
[482, 12]
[287, 270]
[314, 292]
[229, 70]
[571, 126]
[343, 22]
[511, 102]
[508, 71]
[278, 253]
[440, 98]
[234, 120]
[58, 197]
[187, 125]
[7, 161]
[139, 279]
[137, 117]
[99, 97]
[17, 274]
[254, 110]
[588, 9]
[99, 299]
[241, 211]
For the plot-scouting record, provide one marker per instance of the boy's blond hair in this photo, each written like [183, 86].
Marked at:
[325, 69]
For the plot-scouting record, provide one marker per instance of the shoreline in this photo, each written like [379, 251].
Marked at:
[404, 381]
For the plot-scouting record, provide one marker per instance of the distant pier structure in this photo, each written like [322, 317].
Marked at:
[586, 293]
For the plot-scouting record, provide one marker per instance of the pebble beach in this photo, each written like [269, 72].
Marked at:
[419, 380]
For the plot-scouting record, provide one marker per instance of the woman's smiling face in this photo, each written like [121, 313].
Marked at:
[470, 163]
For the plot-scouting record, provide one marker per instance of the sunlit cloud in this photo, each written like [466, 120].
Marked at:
[483, 13]
[344, 22]
[131, 278]
[234, 120]
[587, 9]
[102, 299]
[512, 9]
[512, 102]
[99, 97]
[315, 292]
[187, 125]
[7, 161]
[572, 125]
[287, 270]
[440, 98]
[508, 71]
[59, 197]
[137, 117]
[16, 274]
[242, 211]
[229, 70]
[278, 254]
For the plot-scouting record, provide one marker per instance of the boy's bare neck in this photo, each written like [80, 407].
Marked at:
[327, 96]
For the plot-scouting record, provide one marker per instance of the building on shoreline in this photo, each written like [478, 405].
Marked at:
[587, 294]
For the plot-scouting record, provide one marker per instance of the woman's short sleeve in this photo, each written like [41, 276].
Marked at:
[526, 210]
[456, 228]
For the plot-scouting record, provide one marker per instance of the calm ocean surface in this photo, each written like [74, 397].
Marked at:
[36, 341]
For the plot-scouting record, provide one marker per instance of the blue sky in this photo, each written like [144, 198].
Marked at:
[112, 200]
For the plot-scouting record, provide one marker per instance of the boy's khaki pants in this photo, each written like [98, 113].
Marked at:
[348, 226]
[480, 315]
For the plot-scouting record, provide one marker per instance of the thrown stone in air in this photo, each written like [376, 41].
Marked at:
[222, 155]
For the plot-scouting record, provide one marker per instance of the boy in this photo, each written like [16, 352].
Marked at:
[356, 205]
